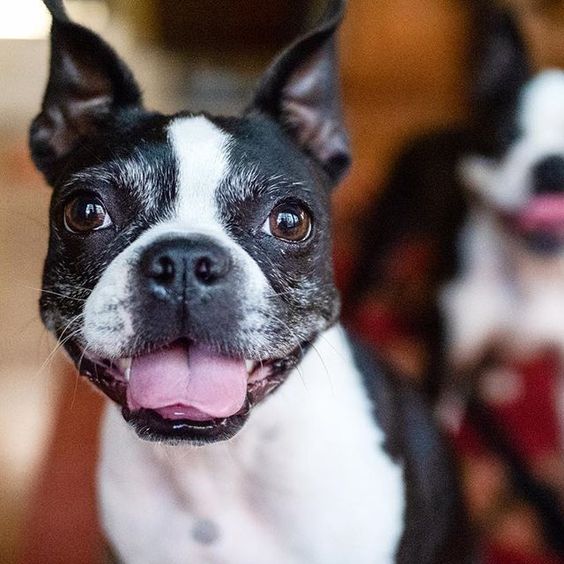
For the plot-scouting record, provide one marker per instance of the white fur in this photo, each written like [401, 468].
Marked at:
[478, 305]
[201, 151]
[542, 107]
[305, 482]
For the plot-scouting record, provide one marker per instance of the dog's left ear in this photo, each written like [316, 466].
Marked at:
[503, 69]
[88, 82]
[301, 92]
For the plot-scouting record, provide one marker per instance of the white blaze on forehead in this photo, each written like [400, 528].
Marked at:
[542, 105]
[201, 150]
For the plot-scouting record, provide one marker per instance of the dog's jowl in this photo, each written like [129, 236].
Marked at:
[189, 277]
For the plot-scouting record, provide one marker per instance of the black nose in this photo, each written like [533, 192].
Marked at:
[548, 175]
[184, 264]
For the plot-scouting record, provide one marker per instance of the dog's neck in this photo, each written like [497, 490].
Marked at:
[316, 431]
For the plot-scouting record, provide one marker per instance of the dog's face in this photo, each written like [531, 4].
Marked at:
[521, 171]
[189, 259]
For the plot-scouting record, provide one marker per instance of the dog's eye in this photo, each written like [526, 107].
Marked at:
[86, 213]
[289, 222]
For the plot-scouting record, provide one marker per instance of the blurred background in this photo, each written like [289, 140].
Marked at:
[406, 68]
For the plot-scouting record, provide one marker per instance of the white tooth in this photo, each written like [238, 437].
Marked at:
[124, 365]
[250, 365]
[127, 371]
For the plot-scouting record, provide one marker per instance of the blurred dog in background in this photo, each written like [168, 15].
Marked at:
[468, 240]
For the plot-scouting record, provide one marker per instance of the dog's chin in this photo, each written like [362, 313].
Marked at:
[183, 420]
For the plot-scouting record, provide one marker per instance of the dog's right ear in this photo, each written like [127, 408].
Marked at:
[87, 83]
[503, 68]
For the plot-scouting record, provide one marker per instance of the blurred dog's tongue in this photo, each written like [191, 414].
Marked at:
[544, 213]
[189, 382]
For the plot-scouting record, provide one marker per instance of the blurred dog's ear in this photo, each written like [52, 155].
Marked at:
[502, 69]
[87, 83]
[301, 92]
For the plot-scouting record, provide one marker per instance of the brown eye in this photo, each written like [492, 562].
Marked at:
[289, 222]
[86, 213]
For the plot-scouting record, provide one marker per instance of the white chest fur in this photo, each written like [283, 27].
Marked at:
[305, 482]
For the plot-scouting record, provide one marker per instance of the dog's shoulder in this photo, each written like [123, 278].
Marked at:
[434, 517]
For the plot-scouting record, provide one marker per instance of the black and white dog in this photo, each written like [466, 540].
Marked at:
[510, 288]
[495, 186]
[505, 306]
[189, 278]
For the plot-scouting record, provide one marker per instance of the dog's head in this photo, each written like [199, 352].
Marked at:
[520, 171]
[189, 259]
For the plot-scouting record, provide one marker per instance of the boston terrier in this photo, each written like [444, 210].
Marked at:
[504, 308]
[189, 278]
[510, 288]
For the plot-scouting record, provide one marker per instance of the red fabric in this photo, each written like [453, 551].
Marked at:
[532, 421]
[379, 325]
[498, 555]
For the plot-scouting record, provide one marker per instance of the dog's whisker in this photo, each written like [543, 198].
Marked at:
[325, 368]
[58, 294]
[60, 344]
[78, 287]
[77, 377]
[332, 346]
[302, 378]
[291, 333]
[61, 341]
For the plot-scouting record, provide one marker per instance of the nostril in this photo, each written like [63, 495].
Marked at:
[204, 271]
[162, 269]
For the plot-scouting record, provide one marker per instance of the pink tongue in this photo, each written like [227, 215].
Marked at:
[544, 213]
[188, 382]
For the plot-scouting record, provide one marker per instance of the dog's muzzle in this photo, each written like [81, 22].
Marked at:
[185, 376]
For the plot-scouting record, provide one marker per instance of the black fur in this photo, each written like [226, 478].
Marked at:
[502, 69]
[433, 491]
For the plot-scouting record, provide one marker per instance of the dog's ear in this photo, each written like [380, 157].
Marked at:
[502, 69]
[87, 83]
[301, 92]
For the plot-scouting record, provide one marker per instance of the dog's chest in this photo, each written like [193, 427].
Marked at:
[306, 482]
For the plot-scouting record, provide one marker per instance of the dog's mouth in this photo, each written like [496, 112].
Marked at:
[186, 390]
[540, 223]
